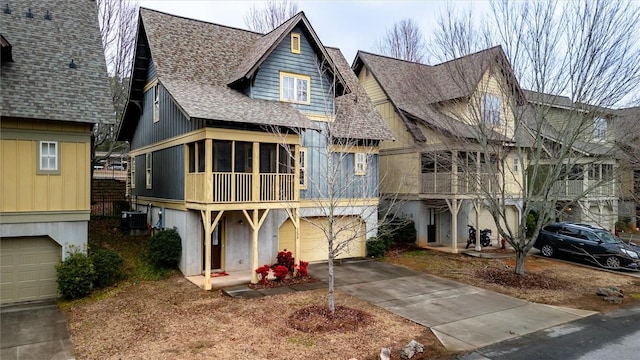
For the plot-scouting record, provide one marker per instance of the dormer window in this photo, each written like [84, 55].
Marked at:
[295, 43]
[599, 128]
[491, 110]
[295, 88]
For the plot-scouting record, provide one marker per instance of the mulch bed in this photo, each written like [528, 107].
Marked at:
[507, 277]
[318, 319]
[286, 282]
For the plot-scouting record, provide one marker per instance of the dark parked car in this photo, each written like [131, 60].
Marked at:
[594, 243]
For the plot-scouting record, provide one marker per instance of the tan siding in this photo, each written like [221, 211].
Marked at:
[399, 173]
[371, 86]
[24, 190]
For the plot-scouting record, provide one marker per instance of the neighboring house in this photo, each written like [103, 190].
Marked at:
[440, 116]
[54, 87]
[587, 192]
[228, 132]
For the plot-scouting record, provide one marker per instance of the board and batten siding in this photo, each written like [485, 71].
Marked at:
[151, 71]
[267, 83]
[347, 185]
[167, 174]
[172, 121]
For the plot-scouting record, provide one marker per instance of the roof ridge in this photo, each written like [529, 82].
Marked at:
[393, 58]
[201, 21]
[469, 55]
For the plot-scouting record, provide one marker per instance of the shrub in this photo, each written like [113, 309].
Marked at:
[280, 272]
[284, 258]
[532, 219]
[263, 271]
[75, 275]
[302, 269]
[165, 248]
[107, 265]
[376, 247]
[403, 230]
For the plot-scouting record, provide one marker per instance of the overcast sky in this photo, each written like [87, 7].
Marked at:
[348, 25]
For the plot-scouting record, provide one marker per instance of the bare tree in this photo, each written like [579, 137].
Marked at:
[404, 40]
[544, 151]
[270, 15]
[118, 22]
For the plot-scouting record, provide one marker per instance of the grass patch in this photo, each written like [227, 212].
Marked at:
[301, 340]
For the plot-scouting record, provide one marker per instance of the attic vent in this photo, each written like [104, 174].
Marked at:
[47, 16]
[295, 43]
[6, 9]
[29, 14]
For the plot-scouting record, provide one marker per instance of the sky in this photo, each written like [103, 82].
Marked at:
[348, 25]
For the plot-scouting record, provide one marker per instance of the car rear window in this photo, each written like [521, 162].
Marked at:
[552, 228]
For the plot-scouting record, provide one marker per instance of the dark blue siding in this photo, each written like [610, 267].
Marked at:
[167, 174]
[267, 82]
[151, 71]
[172, 121]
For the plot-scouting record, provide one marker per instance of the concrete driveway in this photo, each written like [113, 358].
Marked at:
[463, 317]
[34, 331]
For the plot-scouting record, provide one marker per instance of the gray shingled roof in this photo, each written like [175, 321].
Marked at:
[195, 61]
[356, 117]
[417, 89]
[39, 83]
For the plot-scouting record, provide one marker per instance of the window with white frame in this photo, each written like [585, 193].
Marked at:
[133, 172]
[48, 156]
[599, 128]
[303, 168]
[516, 165]
[295, 88]
[148, 166]
[360, 163]
[156, 103]
[491, 109]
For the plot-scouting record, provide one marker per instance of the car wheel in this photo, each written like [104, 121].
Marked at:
[547, 250]
[613, 262]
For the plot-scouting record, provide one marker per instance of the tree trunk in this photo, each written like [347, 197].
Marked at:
[332, 304]
[520, 258]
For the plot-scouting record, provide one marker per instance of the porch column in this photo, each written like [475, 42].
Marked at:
[255, 163]
[453, 209]
[208, 230]
[294, 215]
[476, 206]
[208, 171]
[255, 222]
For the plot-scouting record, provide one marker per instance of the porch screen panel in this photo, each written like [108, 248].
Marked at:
[221, 156]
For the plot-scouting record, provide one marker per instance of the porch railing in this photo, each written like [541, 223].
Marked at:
[588, 188]
[443, 183]
[239, 187]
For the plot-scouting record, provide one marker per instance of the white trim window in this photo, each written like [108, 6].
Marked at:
[295, 88]
[156, 103]
[133, 172]
[516, 166]
[599, 128]
[148, 169]
[360, 167]
[303, 168]
[48, 156]
[491, 109]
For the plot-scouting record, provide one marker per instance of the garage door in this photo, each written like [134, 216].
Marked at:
[313, 243]
[28, 269]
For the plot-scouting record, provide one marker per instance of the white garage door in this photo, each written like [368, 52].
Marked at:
[313, 243]
[27, 269]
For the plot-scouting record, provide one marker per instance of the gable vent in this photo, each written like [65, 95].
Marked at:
[295, 43]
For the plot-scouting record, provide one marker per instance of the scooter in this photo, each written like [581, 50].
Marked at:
[484, 236]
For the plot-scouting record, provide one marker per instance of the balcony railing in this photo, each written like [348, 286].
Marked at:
[239, 187]
[443, 183]
[587, 188]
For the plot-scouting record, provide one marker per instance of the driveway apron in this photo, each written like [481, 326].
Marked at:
[463, 317]
[34, 331]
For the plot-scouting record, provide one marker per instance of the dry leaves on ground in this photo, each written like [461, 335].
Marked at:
[174, 319]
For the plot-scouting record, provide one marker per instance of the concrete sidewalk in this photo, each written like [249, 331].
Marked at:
[34, 331]
[463, 317]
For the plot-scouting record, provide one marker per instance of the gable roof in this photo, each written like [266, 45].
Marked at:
[199, 63]
[356, 117]
[417, 89]
[39, 83]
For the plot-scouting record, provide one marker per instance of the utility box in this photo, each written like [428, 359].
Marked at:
[133, 220]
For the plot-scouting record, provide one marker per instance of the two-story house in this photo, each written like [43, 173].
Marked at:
[579, 141]
[249, 143]
[457, 145]
[53, 88]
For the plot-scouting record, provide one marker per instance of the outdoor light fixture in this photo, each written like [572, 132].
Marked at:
[6, 9]
[47, 16]
[29, 14]
[72, 65]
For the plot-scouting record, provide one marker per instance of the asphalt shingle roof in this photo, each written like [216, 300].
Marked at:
[39, 83]
[196, 61]
[417, 89]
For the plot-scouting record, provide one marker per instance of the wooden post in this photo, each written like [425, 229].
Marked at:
[208, 171]
[206, 219]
